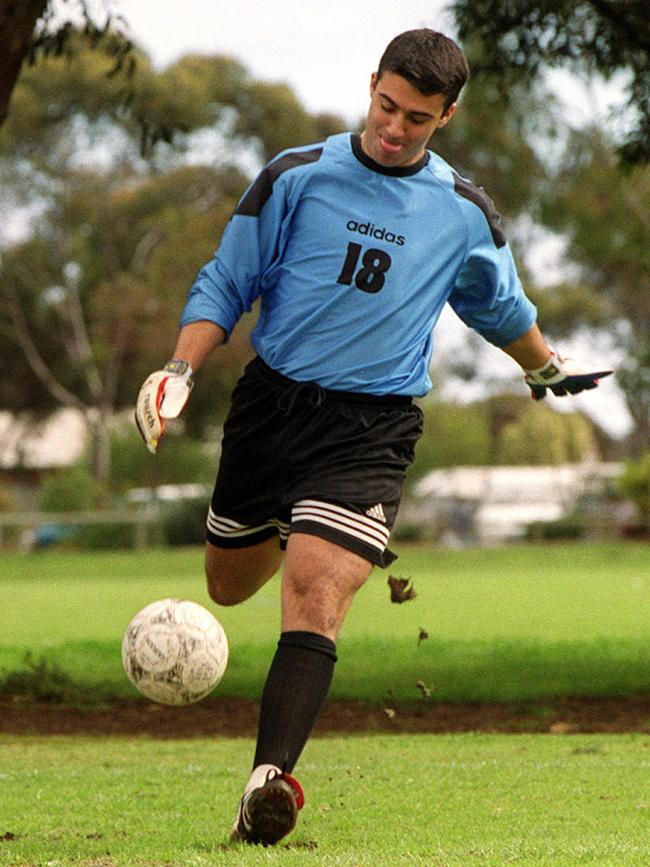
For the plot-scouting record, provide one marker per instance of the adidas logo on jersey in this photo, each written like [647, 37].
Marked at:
[373, 231]
[377, 512]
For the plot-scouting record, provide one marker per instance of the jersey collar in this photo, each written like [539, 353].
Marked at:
[397, 171]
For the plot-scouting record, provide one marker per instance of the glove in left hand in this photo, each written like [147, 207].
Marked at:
[562, 376]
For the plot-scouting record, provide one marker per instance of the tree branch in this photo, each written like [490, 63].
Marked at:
[635, 28]
[82, 346]
[144, 248]
[41, 370]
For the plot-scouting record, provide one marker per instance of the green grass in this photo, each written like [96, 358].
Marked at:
[505, 624]
[441, 801]
[512, 623]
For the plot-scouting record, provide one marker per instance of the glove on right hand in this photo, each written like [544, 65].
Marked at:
[163, 395]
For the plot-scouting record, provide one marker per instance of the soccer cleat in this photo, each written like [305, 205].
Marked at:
[268, 813]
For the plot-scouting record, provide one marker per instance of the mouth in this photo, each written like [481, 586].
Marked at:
[389, 148]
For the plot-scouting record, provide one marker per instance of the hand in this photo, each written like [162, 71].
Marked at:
[163, 395]
[562, 376]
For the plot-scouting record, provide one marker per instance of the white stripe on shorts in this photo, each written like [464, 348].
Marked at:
[226, 528]
[361, 527]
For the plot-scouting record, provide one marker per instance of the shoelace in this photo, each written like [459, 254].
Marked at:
[273, 774]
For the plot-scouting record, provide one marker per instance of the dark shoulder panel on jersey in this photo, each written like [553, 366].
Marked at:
[484, 202]
[260, 192]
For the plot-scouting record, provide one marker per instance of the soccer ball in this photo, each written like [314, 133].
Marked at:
[174, 651]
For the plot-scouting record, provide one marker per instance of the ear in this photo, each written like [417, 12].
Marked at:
[447, 116]
[373, 83]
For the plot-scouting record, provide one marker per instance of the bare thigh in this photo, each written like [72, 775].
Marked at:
[319, 582]
[235, 574]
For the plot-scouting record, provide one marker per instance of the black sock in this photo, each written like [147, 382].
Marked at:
[294, 694]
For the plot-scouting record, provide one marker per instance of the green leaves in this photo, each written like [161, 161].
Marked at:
[522, 37]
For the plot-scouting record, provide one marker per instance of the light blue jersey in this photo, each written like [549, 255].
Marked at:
[354, 262]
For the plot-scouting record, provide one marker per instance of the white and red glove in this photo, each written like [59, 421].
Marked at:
[562, 376]
[163, 395]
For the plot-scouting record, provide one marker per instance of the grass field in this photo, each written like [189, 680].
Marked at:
[512, 623]
[441, 801]
[503, 624]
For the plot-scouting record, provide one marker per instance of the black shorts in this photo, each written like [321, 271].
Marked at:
[300, 458]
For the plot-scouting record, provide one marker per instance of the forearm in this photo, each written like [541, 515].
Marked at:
[530, 350]
[197, 340]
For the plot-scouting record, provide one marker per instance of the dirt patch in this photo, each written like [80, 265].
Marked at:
[232, 717]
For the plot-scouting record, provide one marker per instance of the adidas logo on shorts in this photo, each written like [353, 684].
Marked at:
[377, 512]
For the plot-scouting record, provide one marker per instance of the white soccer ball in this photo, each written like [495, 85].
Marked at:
[174, 651]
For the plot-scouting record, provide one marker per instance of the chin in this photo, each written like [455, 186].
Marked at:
[385, 159]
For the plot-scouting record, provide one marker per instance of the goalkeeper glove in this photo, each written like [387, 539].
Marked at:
[163, 395]
[562, 376]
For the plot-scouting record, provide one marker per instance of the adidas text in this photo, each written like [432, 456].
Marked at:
[378, 232]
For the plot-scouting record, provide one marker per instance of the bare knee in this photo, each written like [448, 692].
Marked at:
[233, 575]
[226, 590]
[319, 582]
[222, 593]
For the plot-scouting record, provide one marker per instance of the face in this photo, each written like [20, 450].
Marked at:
[401, 120]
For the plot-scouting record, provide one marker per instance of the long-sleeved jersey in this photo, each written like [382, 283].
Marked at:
[353, 263]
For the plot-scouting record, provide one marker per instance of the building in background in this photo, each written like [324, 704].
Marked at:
[490, 505]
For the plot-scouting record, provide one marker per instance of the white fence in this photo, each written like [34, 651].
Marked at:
[141, 520]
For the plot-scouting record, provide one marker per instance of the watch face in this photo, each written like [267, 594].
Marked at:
[549, 372]
[177, 366]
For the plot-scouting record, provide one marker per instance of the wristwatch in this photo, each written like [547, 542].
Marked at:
[179, 367]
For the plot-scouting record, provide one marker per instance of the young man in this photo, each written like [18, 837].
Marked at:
[354, 246]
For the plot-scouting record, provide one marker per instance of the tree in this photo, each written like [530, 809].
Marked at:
[17, 23]
[634, 484]
[35, 29]
[583, 194]
[453, 435]
[605, 216]
[608, 37]
[504, 429]
[91, 298]
[87, 301]
[196, 92]
[493, 147]
[542, 436]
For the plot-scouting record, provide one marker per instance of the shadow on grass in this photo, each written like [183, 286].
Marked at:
[41, 680]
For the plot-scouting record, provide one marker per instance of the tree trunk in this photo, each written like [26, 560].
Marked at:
[98, 426]
[17, 21]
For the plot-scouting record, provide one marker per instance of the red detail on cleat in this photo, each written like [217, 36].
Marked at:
[297, 789]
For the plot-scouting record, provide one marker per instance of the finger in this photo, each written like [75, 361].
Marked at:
[537, 392]
[173, 398]
[150, 442]
[149, 422]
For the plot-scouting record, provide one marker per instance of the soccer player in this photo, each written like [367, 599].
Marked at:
[353, 246]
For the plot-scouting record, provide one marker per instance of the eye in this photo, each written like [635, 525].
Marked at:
[387, 107]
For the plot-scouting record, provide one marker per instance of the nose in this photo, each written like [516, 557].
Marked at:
[395, 126]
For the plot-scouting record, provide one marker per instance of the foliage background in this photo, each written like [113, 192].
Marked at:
[128, 173]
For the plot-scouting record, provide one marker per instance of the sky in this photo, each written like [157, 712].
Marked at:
[326, 51]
